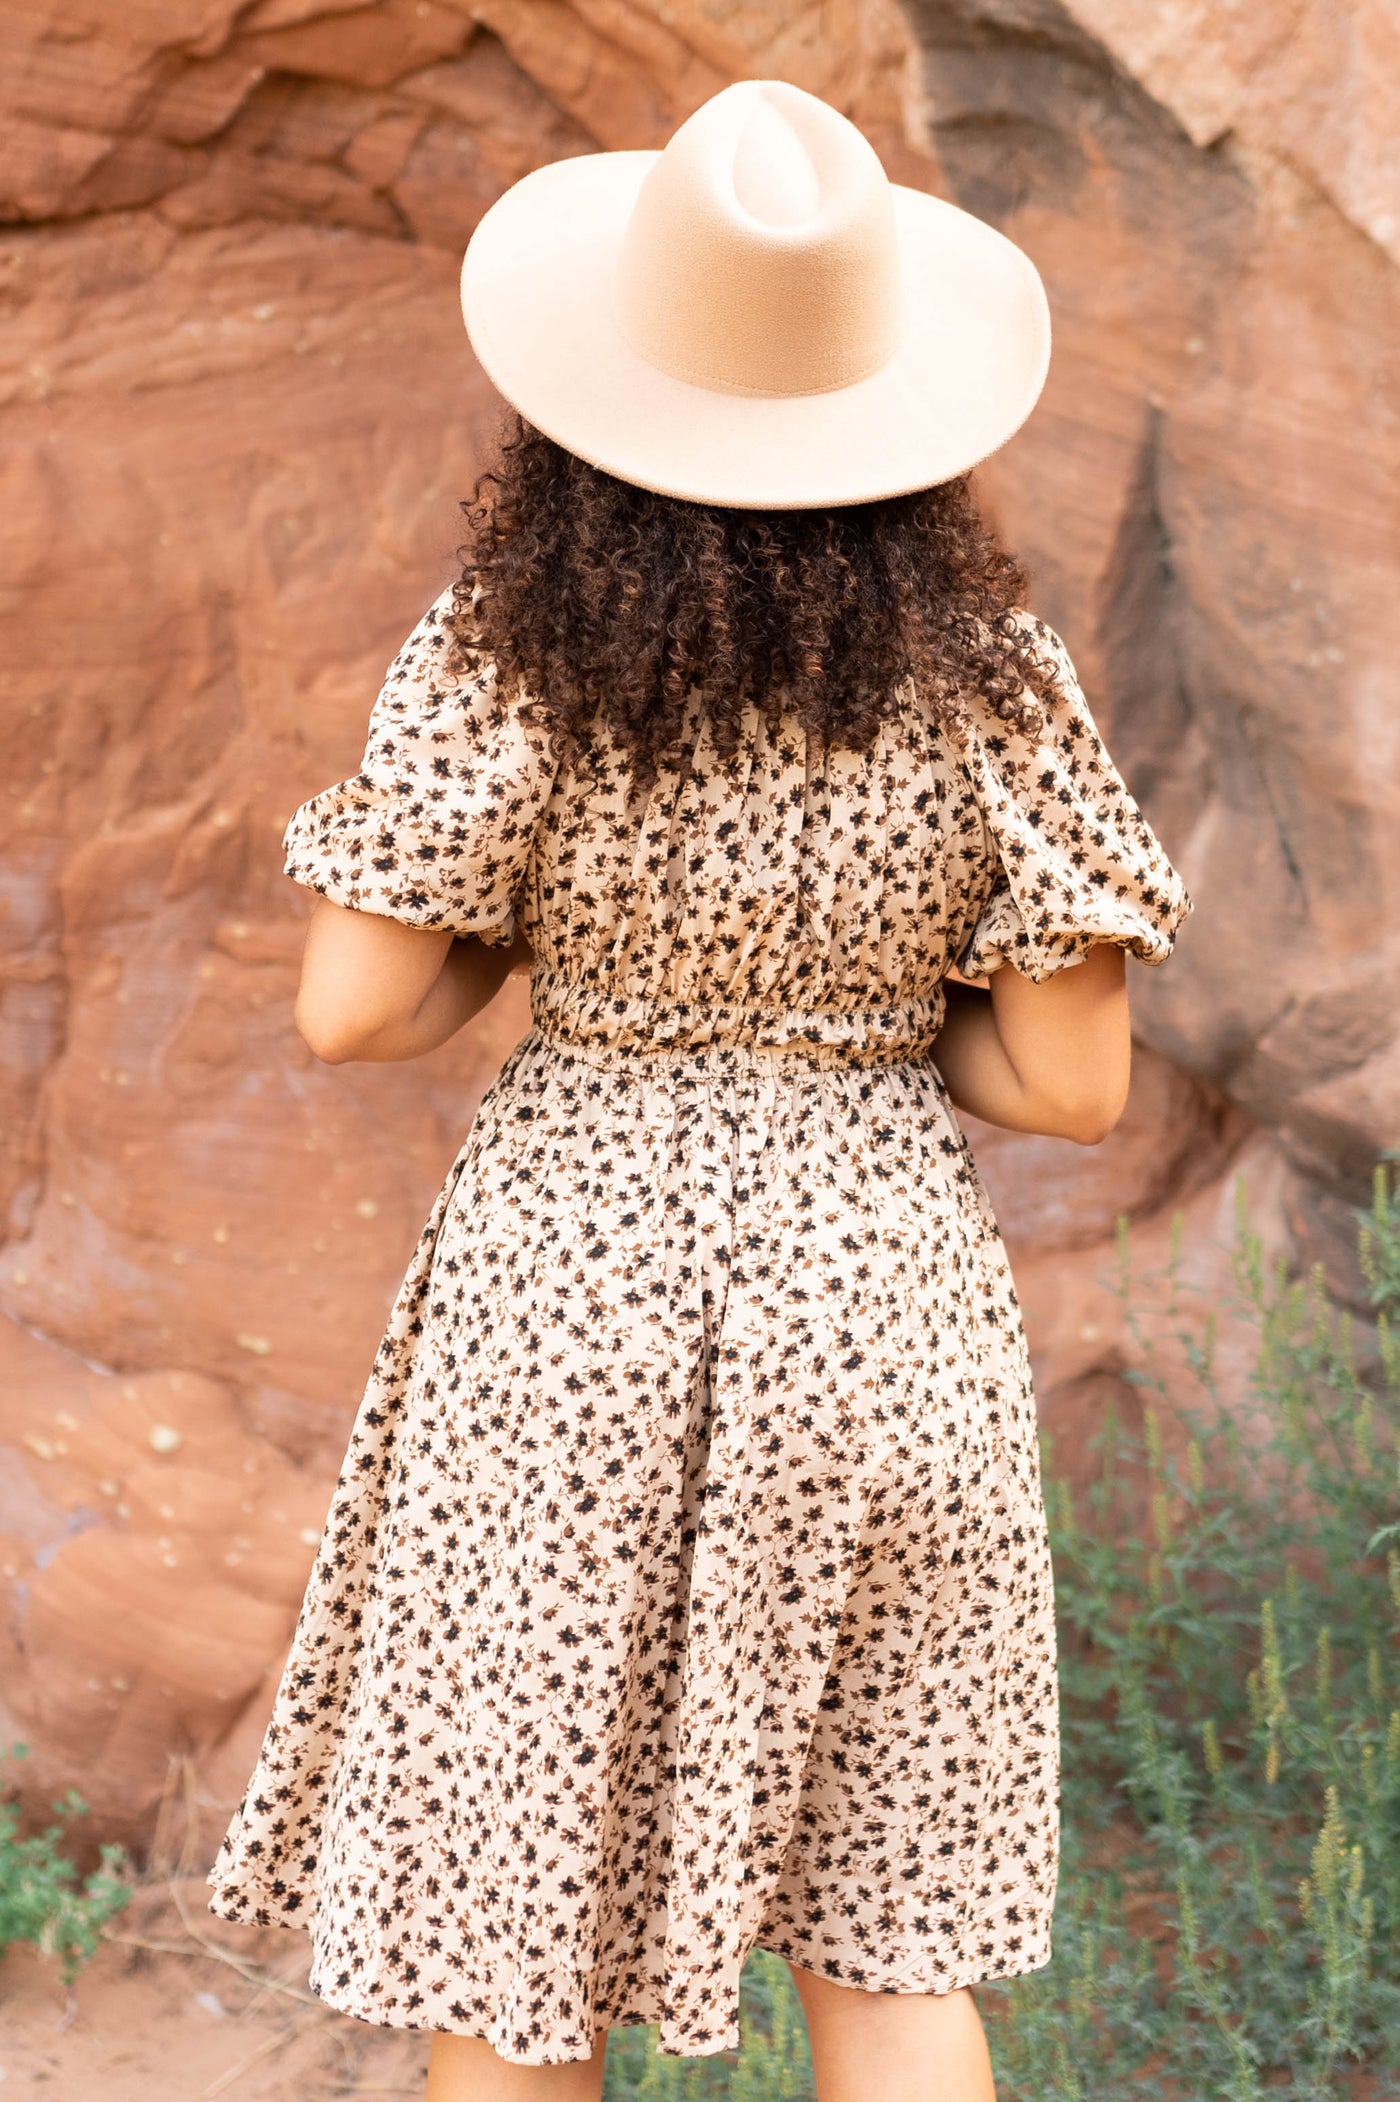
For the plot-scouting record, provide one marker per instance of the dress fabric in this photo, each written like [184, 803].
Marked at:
[686, 1586]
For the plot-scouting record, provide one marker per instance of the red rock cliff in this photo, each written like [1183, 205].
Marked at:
[240, 412]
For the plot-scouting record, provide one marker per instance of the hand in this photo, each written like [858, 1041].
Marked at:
[520, 958]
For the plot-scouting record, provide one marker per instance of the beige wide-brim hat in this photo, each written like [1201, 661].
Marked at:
[755, 315]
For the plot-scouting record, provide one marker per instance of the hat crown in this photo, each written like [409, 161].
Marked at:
[761, 255]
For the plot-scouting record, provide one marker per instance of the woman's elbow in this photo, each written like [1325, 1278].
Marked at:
[331, 1038]
[1091, 1126]
[329, 1049]
[1089, 1118]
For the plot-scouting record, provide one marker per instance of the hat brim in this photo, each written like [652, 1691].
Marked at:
[537, 297]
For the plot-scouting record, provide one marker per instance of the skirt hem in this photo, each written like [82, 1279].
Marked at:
[267, 1911]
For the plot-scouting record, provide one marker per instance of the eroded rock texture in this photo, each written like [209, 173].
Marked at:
[240, 412]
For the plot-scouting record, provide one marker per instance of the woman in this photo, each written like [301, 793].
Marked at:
[686, 1587]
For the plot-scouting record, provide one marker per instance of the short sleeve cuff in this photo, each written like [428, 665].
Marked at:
[1001, 935]
[340, 851]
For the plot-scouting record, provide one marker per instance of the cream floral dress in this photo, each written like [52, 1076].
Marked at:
[685, 1588]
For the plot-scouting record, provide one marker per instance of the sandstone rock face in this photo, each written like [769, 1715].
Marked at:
[241, 411]
[1216, 446]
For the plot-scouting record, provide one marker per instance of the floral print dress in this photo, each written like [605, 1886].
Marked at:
[685, 1588]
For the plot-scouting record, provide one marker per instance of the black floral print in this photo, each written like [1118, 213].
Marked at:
[686, 1588]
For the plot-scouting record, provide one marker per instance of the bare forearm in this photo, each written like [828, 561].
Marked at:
[976, 1070]
[1052, 1056]
[462, 987]
[469, 980]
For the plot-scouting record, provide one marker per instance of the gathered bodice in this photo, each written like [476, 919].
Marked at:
[775, 900]
[787, 898]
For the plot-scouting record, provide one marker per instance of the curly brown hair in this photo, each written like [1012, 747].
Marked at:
[600, 602]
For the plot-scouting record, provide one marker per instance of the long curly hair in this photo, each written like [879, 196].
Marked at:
[602, 603]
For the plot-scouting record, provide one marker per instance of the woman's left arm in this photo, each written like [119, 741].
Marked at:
[375, 989]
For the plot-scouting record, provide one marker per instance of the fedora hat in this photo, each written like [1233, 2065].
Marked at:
[755, 315]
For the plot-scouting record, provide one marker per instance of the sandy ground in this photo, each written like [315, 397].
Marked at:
[178, 2006]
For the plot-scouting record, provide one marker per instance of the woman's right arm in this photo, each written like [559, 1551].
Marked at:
[374, 989]
[1051, 1058]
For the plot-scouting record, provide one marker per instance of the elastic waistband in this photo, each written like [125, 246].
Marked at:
[604, 1026]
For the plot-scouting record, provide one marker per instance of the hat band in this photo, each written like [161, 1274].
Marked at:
[698, 374]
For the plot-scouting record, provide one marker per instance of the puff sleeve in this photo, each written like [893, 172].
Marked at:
[1077, 862]
[436, 828]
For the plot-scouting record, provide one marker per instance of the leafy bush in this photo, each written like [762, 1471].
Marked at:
[1229, 1917]
[38, 1900]
[1228, 1920]
[772, 2065]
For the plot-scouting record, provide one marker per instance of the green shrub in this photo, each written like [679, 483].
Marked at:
[1228, 1918]
[772, 2065]
[1229, 1915]
[38, 1900]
